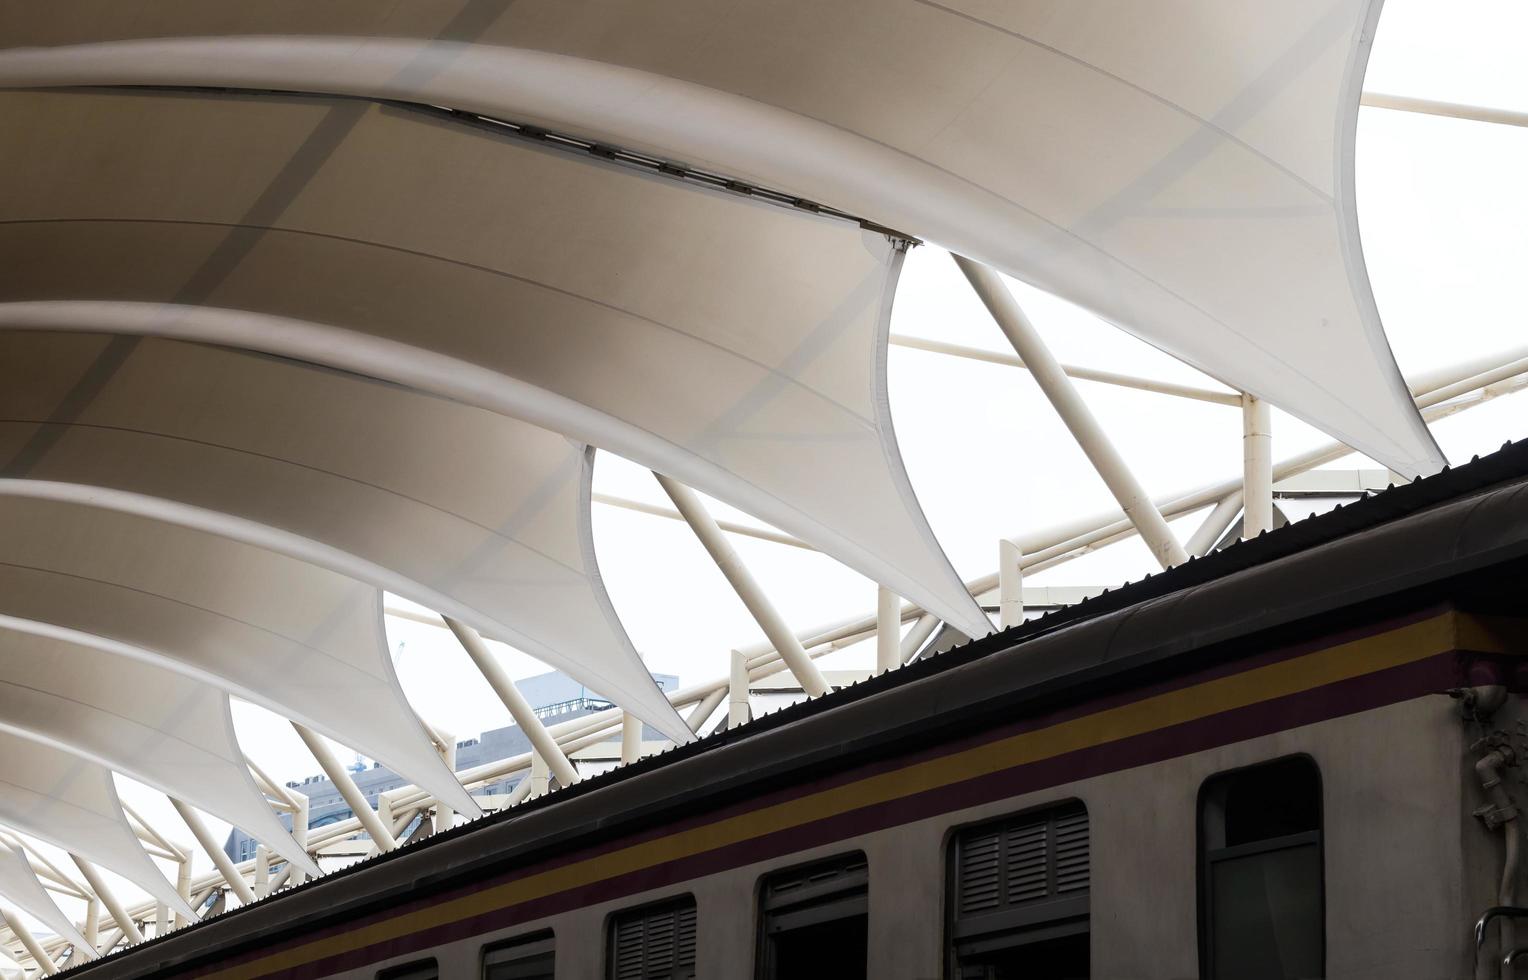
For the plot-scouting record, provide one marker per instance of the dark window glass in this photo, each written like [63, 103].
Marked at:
[814, 921]
[418, 970]
[522, 958]
[1019, 897]
[1262, 908]
[655, 942]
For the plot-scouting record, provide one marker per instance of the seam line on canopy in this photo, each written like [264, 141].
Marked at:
[307, 233]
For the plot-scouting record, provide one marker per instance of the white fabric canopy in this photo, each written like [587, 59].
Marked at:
[161, 728]
[299, 639]
[491, 513]
[735, 346]
[1185, 171]
[19, 884]
[71, 802]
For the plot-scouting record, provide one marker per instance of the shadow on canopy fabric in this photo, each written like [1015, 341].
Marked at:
[162, 728]
[736, 346]
[489, 512]
[1184, 171]
[71, 802]
[19, 884]
[298, 639]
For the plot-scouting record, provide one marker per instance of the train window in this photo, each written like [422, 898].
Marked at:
[1019, 897]
[523, 958]
[417, 970]
[1261, 904]
[815, 920]
[654, 942]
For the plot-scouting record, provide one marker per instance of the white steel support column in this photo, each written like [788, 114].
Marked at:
[444, 817]
[738, 711]
[1257, 467]
[183, 885]
[888, 630]
[92, 928]
[44, 961]
[161, 919]
[540, 776]
[747, 589]
[1010, 584]
[300, 814]
[1215, 523]
[340, 777]
[519, 708]
[631, 738]
[1058, 388]
[203, 835]
[262, 871]
[113, 905]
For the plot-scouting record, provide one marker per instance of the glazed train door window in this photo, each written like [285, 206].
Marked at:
[1019, 897]
[1261, 904]
[814, 921]
[523, 958]
[654, 942]
[417, 970]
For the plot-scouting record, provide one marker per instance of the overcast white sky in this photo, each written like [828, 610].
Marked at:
[1444, 218]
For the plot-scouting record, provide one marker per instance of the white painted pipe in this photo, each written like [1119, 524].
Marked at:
[539, 777]
[888, 630]
[300, 816]
[1257, 467]
[748, 590]
[43, 960]
[203, 835]
[340, 777]
[738, 712]
[519, 708]
[1010, 584]
[1214, 524]
[262, 871]
[732, 527]
[631, 738]
[1453, 110]
[918, 635]
[108, 898]
[1058, 388]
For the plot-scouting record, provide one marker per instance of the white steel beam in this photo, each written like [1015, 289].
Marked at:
[340, 777]
[1073, 371]
[743, 583]
[1058, 388]
[519, 708]
[220, 860]
[113, 904]
[1257, 467]
[1454, 110]
[539, 778]
[918, 635]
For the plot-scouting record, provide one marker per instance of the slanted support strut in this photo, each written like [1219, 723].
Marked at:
[1058, 388]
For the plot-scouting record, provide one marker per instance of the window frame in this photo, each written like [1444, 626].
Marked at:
[1206, 857]
[403, 970]
[823, 902]
[523, 941]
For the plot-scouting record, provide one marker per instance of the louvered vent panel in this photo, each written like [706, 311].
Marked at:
[656, 943]
[980, 859]
[684, 942]
[1035, 858]
[1073, 869]
[1025, 868]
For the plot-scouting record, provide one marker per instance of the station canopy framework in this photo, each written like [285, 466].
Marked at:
[307, 304]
